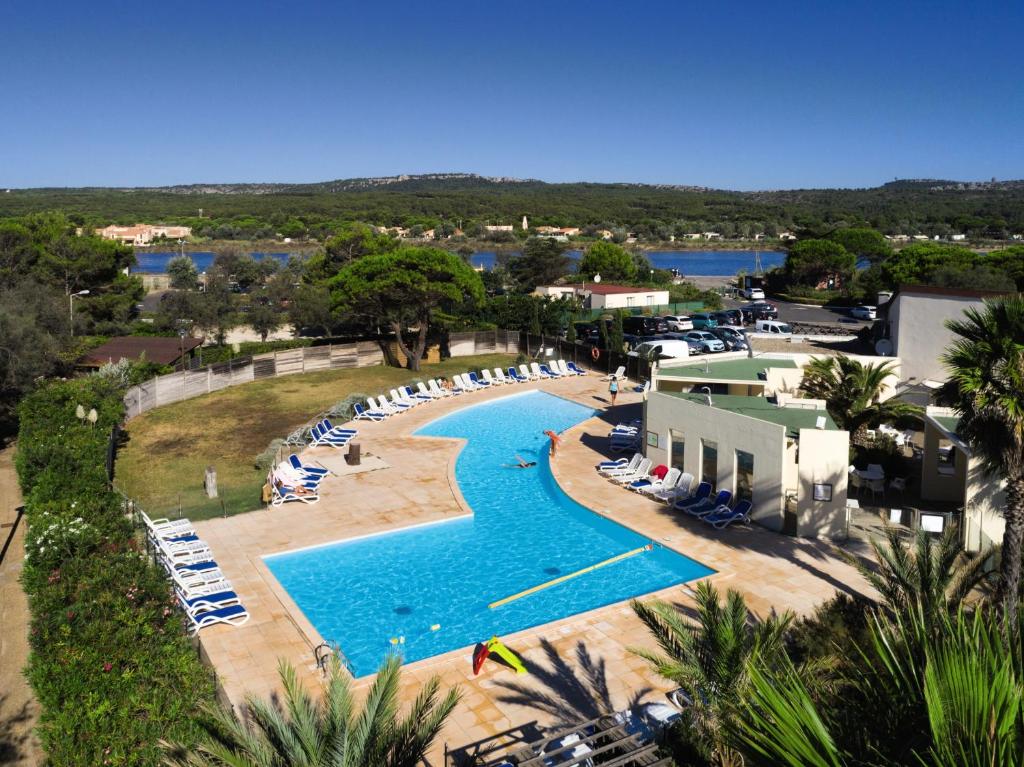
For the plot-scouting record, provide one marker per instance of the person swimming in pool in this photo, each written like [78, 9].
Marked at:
[522, 463]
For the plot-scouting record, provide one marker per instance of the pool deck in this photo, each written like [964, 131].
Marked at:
[580, 666]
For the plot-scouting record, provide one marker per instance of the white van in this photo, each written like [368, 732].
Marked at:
[668, 349]
[774, 327]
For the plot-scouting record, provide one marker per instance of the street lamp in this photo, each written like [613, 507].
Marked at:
[71, 307]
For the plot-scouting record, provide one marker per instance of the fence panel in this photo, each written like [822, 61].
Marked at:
[316, 358]
[369, 353]
[462, 344]
[196, 383]
[344, 356]
[264, 366]
[289, 361]
[220, 376]
[241, 371]
[485, 342]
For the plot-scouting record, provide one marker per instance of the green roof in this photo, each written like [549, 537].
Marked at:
[949, 423]
[793, 418]
[746, 369]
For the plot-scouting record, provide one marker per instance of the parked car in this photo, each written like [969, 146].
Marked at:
[774, 327]
[863, 312]
[729, 317]
[644, 326]
[760, 310]
[753, 293]
[664, 349]
[678, 322]
[703, 320]
[734, 340]
[708, 343]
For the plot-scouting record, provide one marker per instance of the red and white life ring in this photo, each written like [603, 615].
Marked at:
[595, 354]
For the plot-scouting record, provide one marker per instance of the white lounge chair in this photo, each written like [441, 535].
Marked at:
[167, 528]
[524, 370]
[669, 480]
[618, 375]
[460, 381]
[538, 373]
[369, 413]
[234, 615]
[619, 464]
[491, 380]
[392, 407]
[414, 395]
[426, 391]
[399, 397]
[627, 468]
[500, 377]
[639, 473]
[681, 489]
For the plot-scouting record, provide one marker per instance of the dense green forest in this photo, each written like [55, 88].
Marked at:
[992, 210]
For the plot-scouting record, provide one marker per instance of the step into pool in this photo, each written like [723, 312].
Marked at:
[426, 590]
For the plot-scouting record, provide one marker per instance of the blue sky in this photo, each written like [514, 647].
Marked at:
[738, 95]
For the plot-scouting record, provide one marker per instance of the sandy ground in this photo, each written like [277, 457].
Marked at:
[18, 709]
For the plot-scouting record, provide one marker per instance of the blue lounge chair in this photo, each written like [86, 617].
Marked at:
[413, 395]
[234, 615]
[207, 602]
[339, 430]
[309, 471]
[198, 567]
[320, 436]
[362, 414]
[549, 372]
[577, 370]
[722, 517]
[708, 505]
[516, 376]
[700, 494]
[477, 381]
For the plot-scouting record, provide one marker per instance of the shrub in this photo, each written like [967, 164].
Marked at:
[265, 459]
[345, 409]
[110, 662]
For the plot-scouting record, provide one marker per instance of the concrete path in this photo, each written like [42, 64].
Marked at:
[18, 709]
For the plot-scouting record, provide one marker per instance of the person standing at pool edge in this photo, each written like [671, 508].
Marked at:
[555, 439]
[613, 389]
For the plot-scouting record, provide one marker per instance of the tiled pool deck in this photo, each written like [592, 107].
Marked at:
[579, 666]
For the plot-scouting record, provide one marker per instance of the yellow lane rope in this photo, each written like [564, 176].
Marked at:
[563, 578]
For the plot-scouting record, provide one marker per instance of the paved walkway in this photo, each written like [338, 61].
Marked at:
[18, 708]
[579, 667]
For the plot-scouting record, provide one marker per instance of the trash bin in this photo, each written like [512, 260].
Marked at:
[353, 455]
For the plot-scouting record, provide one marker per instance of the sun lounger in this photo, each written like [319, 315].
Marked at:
[419, 396]
[516, 376]
[196, 590]
[285, 493]
[500, 377]
[723, 516]
[463, 383]
[575, 369]
[189, 578]
[681, 489]
[321, 436]
[234, 615]
[167, 528]
[538, 372]
[483, 384]
[700, 494]
[530, 375]
[620, 463]
[339, 430]
[206, 602]
[426, 391]
[708, 505]
[198, 566]
[435, 390]
[489, 379]
[640, 472]
[669, 480]
[393, 406]
[618, 375]
[362, 414]
[184, 551]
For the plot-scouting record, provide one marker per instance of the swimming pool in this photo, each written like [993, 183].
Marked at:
[524, 531]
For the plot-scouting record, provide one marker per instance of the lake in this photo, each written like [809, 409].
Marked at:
[699, 263]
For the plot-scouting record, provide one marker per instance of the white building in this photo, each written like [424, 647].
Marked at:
[143, 234]
[601, 296]
[958, 237]
[916, 318]
[498, 228]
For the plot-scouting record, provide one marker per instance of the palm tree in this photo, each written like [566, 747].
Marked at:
[934, 575]
[708, 658]
[986, 389]
[330, 733]
[852, 392]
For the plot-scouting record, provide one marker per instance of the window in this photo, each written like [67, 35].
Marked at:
[650, 300]
[630, 300]
[744, 476]
[678, 449]
[709, 461]
[946, 457]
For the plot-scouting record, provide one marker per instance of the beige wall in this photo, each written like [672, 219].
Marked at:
[936, 486]
[918, 330]
[621, 300]
[824, 457]
[765, 441]
[983, 520]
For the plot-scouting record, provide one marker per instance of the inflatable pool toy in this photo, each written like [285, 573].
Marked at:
[494, 645]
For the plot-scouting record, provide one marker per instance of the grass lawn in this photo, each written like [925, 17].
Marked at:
[168, 449]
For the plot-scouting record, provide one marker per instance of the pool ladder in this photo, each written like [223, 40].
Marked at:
[324, 651]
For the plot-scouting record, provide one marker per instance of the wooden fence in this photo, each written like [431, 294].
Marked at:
[185, 384]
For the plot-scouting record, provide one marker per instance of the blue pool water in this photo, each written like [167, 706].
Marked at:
[524, 531]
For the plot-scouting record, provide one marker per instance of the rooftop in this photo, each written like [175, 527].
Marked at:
[604, 290]
[746, 369]
[158, 349]
[793, 418]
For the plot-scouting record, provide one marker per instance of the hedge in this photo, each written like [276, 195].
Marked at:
[110, 662]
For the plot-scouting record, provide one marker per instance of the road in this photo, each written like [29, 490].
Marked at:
[791, 312]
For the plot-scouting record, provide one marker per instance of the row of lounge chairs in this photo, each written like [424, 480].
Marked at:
[205, 595]
[405, 398]
[675, 487]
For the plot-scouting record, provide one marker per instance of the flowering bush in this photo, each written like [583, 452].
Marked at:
[110, 663]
